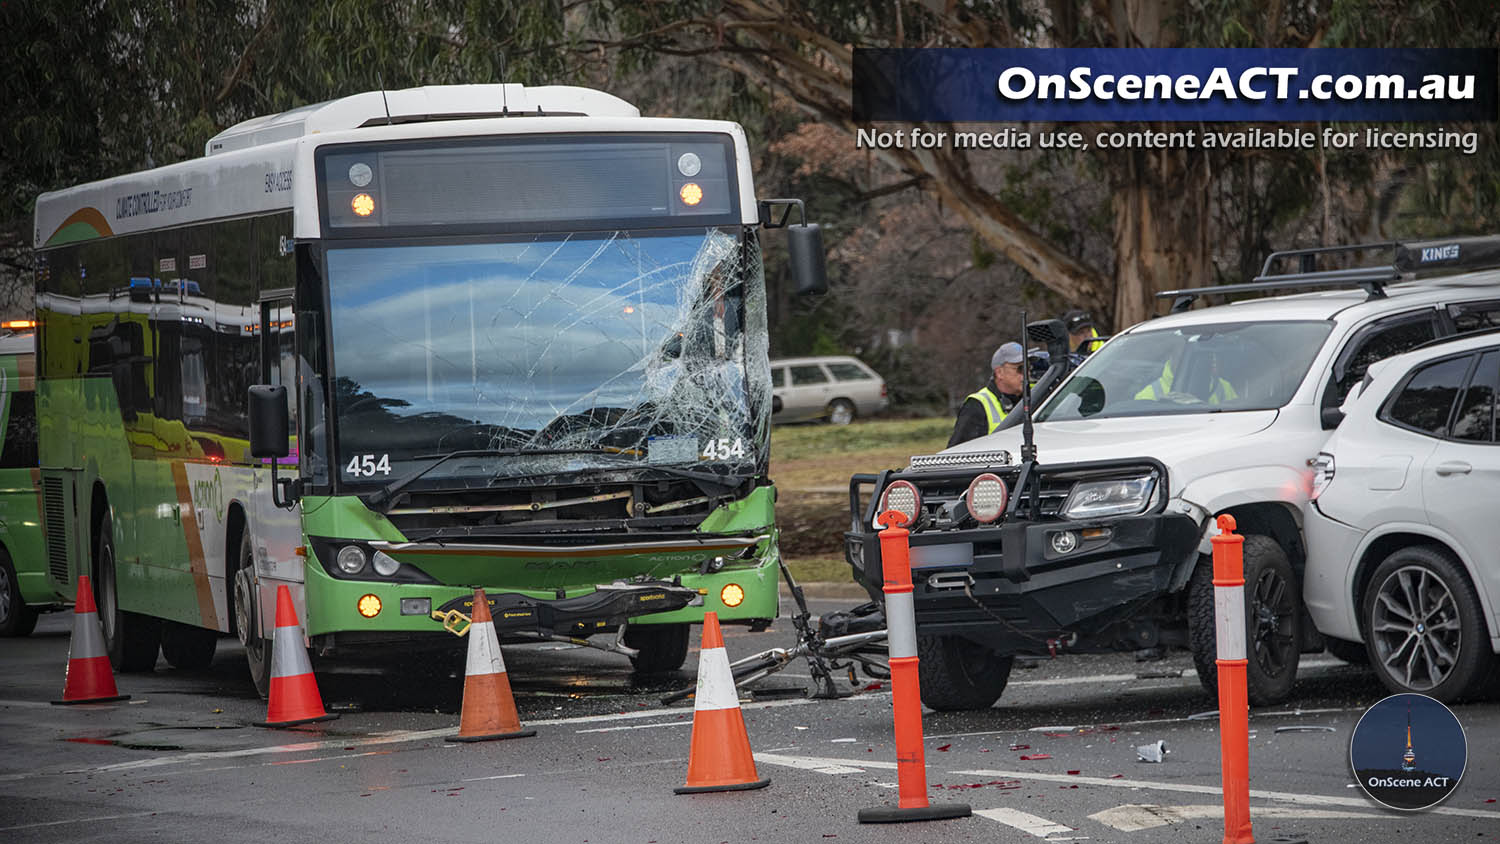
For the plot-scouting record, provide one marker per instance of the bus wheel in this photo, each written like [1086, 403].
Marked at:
[187, 647]
[247, 619]
[663, 647]
[131, 639]
[16, 619]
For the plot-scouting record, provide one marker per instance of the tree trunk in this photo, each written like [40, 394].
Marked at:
[1162, 225]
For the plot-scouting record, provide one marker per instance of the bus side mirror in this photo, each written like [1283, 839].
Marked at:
[269, 422]
[804, 243]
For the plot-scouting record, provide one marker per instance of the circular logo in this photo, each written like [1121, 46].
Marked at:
[689, 164]
[360, 174]
[1408, 752]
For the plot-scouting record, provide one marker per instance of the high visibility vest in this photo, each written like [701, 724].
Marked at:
[1159, 388]
[993, 411]
[1223, 391]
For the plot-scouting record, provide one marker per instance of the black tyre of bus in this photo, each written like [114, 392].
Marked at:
[663, 647]
[16, 619]
[188, 648]
[1273, 625]
[247, 619]
[131, 639]
[958, 674]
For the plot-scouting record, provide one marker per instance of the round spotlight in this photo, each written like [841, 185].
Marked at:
[369, 605]
[1063, 542]
[986, 497]
[351, 559]
[900, 497]
[732, 595]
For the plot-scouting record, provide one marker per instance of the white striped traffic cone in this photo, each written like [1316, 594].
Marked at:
[294, 697]
[720, 758]
[89, 678]
[489, 708]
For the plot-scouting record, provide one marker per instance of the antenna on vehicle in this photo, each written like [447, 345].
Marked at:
[1028, 443]
[379, 79]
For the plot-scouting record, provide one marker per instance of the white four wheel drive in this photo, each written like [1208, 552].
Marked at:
[1102, 542]
[1402, 532]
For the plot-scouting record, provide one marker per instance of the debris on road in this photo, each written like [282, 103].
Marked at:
[1152, 752]
[1305, 728]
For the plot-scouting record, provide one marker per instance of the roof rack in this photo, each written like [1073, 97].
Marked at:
[1452, 255]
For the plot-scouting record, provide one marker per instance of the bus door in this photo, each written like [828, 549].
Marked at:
[276, 531]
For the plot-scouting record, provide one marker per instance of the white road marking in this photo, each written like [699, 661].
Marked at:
[684, 723]
[822, 765]
[1068, 728]
[392, 737]
[1133, 817]
[1283, 796]
[495, 777]
[75, 820]
[1026, 822]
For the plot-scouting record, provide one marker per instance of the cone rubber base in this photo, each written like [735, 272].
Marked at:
[935, 812]
[705, 789]
[492, 736]
[329, 717]
[90, 700]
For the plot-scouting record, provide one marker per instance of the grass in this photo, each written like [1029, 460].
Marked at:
[811, 465]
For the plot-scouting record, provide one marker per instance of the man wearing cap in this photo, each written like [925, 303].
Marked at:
[1080, 325]
[984, 408]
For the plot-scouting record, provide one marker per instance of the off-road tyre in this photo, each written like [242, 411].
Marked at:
[16, 619]
[131, 639]
[1272, 622]
[663, 647]
[1455, 621]
[957, 674]
[188, 648]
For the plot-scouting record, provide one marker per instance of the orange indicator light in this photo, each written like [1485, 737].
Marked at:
[691, 194]
[363, 204]
[369, 606]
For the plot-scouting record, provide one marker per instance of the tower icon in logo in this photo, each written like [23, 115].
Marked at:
[1409, 758]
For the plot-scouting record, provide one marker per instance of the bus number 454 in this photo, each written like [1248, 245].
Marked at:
[365, 465]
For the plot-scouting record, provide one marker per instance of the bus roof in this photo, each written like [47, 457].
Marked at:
[248, 169]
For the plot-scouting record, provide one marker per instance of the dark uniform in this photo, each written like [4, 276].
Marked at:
[981, 413]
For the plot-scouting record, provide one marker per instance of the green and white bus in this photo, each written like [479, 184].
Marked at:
[389, 348]
[25, 588]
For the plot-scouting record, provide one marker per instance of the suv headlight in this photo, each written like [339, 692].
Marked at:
[1120, 497]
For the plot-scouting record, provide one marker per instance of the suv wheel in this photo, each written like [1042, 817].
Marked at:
[1424, 627]
[1272, 622]
[957, 674]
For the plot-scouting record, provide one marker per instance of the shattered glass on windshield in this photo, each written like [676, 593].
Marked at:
[611, 350]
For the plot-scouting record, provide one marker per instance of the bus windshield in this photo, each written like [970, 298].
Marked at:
[591, 351]
[1191, 369]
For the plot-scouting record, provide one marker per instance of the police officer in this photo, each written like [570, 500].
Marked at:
[984, 408]
[1080, 325]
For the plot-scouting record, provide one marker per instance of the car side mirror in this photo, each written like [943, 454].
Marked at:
[1331, 417]
[269, 422]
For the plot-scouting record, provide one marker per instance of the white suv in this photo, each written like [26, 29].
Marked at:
[1103, 542]
[1402, 531]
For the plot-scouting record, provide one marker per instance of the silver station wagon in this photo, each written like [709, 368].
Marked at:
[837, 389]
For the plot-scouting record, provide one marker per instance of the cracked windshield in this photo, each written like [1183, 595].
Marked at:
[554, 353]
[1193, 369]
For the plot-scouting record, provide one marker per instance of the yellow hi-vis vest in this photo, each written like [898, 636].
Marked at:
[993, 412]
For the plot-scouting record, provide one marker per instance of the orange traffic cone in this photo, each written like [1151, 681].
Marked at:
[294, 690]
[489, 709]
[720, 758]
[89, 679]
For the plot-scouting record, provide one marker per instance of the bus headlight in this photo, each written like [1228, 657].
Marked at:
[351, 559]
[385, 565]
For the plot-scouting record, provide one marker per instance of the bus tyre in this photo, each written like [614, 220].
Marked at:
[187, 647]
[663, 647]
[1273, 625]
[131, 639]
[958, 674]
[247, 619]
[16, 619]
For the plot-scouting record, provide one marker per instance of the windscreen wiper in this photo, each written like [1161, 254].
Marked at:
[385, 497]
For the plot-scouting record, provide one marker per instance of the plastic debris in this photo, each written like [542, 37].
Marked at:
[1152, 752]
[1032, 757]
[1073, 773]
[1020, 747]
[944, 748]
